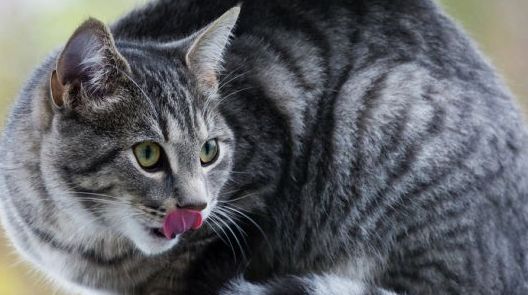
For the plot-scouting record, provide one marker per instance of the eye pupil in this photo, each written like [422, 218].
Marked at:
[147, 152]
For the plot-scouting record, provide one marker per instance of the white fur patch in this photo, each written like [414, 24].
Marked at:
[241, 286]
[337, 285]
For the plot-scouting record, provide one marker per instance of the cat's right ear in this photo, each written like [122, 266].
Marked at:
[87, 66]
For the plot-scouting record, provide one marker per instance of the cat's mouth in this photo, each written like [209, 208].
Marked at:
[157, 232]
[177, 222]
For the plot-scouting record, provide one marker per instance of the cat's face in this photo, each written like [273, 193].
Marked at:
[138, 146]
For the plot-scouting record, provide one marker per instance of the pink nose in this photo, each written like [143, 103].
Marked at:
[180, 221]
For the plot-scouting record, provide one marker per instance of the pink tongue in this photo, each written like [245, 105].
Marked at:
[180, 221]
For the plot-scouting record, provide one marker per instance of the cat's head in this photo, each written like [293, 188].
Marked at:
[137, 145]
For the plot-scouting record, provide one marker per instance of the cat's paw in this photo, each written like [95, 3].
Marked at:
[308, 285]
[287, 285]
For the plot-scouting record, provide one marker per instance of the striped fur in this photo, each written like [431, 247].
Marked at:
[374, 151]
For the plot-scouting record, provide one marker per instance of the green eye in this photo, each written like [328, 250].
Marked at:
[148, 154]
[209, 152]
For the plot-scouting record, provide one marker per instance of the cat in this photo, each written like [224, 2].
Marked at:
[329, 147]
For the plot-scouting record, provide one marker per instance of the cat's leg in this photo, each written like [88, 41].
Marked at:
[308, 285]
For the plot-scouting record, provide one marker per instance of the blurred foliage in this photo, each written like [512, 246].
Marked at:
[499, 27]
[30, 29]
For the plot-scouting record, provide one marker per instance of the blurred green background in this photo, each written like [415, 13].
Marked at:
[29, 29]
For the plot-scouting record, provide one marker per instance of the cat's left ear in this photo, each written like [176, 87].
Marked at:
[204, 56]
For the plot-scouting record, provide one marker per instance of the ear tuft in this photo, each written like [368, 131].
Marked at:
[205, 55]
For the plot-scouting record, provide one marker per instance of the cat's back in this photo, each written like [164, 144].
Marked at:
[383, 77]
[328, 34]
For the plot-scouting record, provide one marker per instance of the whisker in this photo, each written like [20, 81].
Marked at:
[231, 219]
[235, 237]
[250, 220]
[248, 195]
[215, 221]
[215, 103]
[224, 82]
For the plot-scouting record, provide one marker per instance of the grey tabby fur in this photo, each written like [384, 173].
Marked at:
[367, 148]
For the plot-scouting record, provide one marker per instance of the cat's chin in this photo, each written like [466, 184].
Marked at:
[155, 240]
[146, 239]
[151, 244]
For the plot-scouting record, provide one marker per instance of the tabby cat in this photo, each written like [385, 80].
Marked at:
[328, 147]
